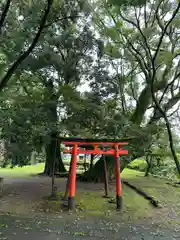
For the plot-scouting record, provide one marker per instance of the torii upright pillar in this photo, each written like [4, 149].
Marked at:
[72, 179]
[118, 178]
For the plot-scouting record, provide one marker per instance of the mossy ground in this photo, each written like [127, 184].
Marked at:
[94, 204]
[91, 203]
[135, 206]
[154, 186]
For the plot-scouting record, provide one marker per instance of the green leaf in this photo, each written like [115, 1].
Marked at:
[119, 24]
[165, 57]
[176, 23]
[127, 2]
[112, 51]
[112, 33]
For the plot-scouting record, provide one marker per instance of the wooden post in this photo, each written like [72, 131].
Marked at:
[53, 190]
[106, 187]
[85, 158]
[118, 179]
[72, 179]
[67, 183]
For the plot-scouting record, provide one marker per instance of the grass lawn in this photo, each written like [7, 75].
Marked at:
[18, 172]
[38, 168]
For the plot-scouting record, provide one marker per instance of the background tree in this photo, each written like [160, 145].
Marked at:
[128, 56]
[132, 48]
[56, 71]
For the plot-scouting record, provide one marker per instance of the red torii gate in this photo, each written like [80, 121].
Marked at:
[114, 148]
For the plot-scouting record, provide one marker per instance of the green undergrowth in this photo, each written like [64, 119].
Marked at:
[131, 174]
[154, 186]
[138, 164]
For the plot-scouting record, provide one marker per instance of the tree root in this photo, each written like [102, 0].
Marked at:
[174, 184]
[151, 199]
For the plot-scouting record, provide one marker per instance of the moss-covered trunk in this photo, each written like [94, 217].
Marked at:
[149, 165]
[51, 146]
[96, 173]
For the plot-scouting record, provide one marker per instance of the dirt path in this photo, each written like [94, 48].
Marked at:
[22, 196]
[20, 217]
[15, 228]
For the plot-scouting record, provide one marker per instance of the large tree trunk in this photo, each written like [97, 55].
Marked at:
[91, 161]
[149, 165]
[52, 147]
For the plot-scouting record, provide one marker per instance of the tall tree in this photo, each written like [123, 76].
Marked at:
[67, 43]
[142, 45]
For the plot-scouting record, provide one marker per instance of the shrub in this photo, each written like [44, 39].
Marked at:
[138, 164]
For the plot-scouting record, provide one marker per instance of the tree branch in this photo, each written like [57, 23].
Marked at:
[4, 14]
[164, 32]
[22, 57]
[137, 26]
[61, 19]
[177, 75]
[170, 84]
[139, 57]
[145, 15]
[166, 107]
[154, 17]
[170, 115]
[133, 92]
[147, 48]
[168, 126]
